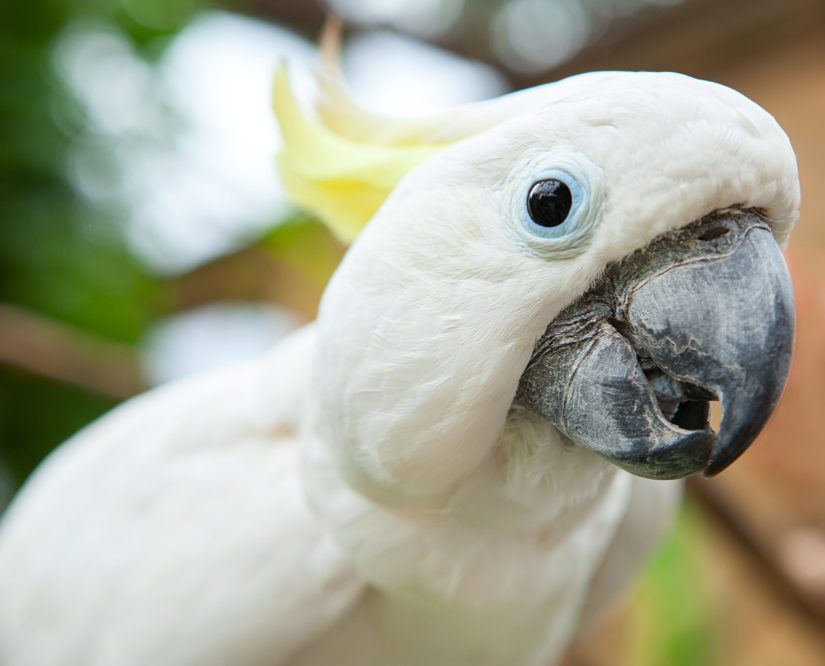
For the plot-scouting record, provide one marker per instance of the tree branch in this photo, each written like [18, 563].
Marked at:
[48, 348]
[722, 509]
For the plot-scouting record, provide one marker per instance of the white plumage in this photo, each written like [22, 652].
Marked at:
[367, 494]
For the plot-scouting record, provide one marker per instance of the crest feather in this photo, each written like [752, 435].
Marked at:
[340, 161]
[340, 113]
[343, 180]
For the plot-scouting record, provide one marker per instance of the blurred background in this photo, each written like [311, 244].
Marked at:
[144, 236]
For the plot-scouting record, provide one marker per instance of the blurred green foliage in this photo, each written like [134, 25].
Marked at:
[49, 231]
[64, 255]
[673, 620]
[60, 255]
[35, 415]
[305, 243]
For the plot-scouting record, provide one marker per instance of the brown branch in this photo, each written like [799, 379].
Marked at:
[303, 16]
[250, 274]
[724, 511]
[48, 348]
[698, 37]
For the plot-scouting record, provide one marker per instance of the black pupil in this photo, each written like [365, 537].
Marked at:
[549, 202]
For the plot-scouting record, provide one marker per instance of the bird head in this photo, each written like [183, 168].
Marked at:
[603, 251]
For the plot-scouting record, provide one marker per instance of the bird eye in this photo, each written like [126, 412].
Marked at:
[558, 207]
[549, 202]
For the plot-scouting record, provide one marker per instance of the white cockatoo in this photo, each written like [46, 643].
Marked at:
[446, 468]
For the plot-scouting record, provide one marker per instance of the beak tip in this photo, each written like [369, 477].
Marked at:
[731, 445]
[714, 468]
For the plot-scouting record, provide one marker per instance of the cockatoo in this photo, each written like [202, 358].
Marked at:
[465, 457]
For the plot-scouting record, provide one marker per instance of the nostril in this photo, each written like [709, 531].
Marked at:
[716, 232]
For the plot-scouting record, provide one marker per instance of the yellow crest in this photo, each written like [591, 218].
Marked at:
[341, 180]
[340, 161]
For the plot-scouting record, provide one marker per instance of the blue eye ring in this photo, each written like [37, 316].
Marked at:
[569, 238]
[553, 204]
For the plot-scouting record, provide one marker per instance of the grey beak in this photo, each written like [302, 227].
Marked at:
[703, 313]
